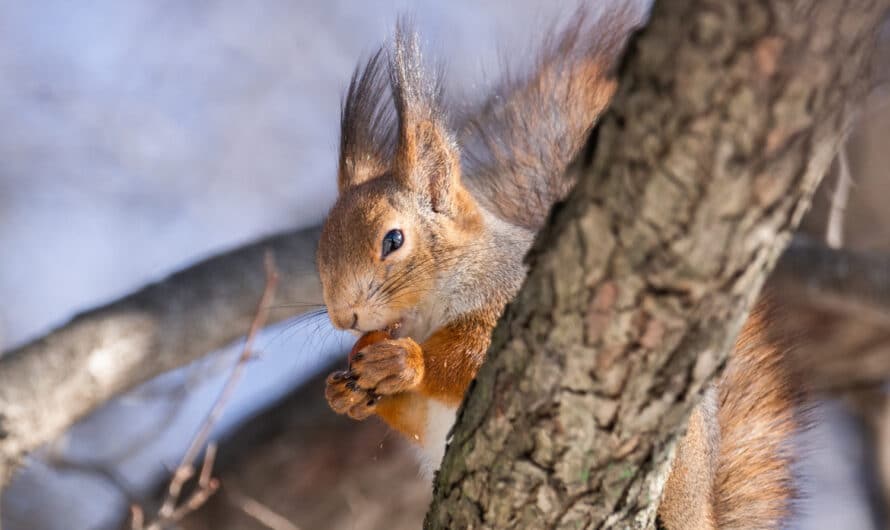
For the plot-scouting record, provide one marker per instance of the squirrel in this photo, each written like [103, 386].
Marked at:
[426, 241]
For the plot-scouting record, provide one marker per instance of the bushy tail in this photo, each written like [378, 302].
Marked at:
[517, 146]
[734, 468]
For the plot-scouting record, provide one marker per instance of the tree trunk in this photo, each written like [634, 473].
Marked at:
[728, 114]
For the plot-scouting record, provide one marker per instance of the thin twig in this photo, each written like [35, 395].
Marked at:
[225, 394]
[260, 512]
[137, 516]
[834, 235]
[172, 510]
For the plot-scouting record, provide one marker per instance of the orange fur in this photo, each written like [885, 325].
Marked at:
[686, 503]
[758, 416]
[453, 355]
[406, 413]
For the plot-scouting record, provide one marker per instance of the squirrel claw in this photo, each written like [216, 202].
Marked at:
[380, 369]
[345, 397]
[389, 366]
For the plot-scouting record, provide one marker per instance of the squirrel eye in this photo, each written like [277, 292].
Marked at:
[392, 241]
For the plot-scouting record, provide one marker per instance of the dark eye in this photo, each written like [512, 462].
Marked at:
[392, 241]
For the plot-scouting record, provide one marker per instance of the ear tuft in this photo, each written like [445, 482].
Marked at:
[426, 158]
[367, 125]
[415, 91]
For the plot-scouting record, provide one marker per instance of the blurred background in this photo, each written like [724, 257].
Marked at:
[140, 137]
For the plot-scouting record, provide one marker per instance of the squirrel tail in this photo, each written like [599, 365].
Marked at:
[734, 469]
[517, 145]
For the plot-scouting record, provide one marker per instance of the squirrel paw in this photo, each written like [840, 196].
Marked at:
[388, 367]
[345, 397]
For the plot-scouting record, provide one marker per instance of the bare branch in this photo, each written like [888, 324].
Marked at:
[834, 236]
[260, 512]
[137, 517]
[836, 280]
[48, 384]
[175, 511]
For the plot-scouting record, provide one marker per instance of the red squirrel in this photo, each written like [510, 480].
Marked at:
[426, 243]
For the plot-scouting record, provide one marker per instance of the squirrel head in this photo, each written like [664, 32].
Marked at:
[402, 211]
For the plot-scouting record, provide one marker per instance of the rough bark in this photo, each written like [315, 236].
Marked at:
[47, 385]
[728, 115]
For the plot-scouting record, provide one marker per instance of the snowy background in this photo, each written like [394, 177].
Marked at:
[138, 137]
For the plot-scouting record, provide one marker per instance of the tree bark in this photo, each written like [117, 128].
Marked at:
[47, 385]
[728, 114]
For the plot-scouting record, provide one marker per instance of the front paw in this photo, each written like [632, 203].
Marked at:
[346, 397]
[389, 366]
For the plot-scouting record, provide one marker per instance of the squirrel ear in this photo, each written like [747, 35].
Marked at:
[427, 158]
[367, 126]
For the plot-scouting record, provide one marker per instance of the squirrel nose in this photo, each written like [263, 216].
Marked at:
[345, 319]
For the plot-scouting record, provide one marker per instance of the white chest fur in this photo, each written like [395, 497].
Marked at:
[439, 420]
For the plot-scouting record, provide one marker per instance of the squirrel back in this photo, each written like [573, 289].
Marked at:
[427, 239]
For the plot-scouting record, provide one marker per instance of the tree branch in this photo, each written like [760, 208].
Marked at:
[728, 115]
[834, 234]
[837, 280]
[47, 385]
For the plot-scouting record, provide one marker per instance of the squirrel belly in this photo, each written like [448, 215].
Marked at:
[439, 420]
[424, 421]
